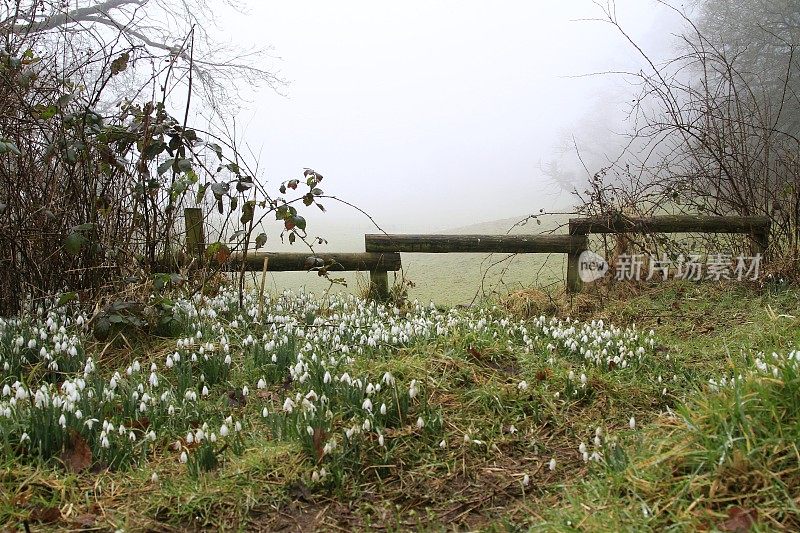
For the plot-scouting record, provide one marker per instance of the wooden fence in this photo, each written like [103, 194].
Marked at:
[382, 253]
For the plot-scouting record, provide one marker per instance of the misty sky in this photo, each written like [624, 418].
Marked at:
[436, 114]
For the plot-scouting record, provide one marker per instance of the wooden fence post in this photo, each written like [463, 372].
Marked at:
[379, 285]
[195, 234]
[761, 240]
[580, 242]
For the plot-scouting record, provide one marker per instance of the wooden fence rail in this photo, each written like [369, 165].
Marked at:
[383, 251]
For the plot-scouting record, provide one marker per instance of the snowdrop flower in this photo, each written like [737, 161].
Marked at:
[632, 423]
[381, 441]
[288, 405]
[184, 458]
[204, 392]
[552, 465]
[582, 448]
[62, 421]
[223, 430]
[245, 391]
[420, 423]
[367, 405]
[154, 478]
[443, 444]
[383, 408]
[523, 385]
[526, 480]
[261, 384]
[412, 389]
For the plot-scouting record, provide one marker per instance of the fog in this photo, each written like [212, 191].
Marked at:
[434, 115]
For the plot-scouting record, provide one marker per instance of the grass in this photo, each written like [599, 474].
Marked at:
[698, 457]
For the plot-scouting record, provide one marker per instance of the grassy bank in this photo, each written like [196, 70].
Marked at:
[342, 414]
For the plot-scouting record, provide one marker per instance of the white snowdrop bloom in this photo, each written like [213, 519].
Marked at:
[184, 458]
[237, 426]
[154, 478]
[367, 405]
[169, 362]
[223, 430]
[381, 441]
[104, 443]
[383, 408]
[153, 379]
[526, 480]
[24, 437]
[151, 435]
[582, 448]
[62, 421]
[632, 423]
[189, 438]
[552, 464]
[388, 379]
[412, 389]
[315, 476]
[212, 437]
[585, 457]
[228, 359]
[596, 440]
[176, 445]
[512, 429]
[420, 423]
[571, 375]
[443, 444]
[204, 392]
[131, 436]
[262, 384]
[583, 379]
[523, 385]
[264, 412]
[171, 410]
[6, 390]
[245, 391]
[288, 405]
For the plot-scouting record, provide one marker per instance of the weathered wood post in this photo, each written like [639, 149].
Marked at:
[195, 234]
[379, 285]
[579, 243]
[761, 238]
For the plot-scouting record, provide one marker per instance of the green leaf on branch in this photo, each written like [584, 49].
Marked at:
[261, 240]
[120, 63]
[248, 210]
[165, 166]
[73, 243]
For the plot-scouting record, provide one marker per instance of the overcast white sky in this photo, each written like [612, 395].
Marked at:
[432, 114]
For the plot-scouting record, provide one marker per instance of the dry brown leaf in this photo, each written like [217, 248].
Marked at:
[45, 515]
[739, 520]
[77, 456]
[318, 438]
